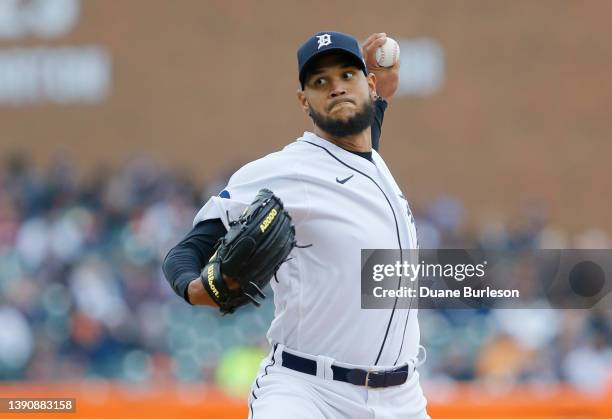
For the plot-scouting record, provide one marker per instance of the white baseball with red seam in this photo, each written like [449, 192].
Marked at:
[388, 54]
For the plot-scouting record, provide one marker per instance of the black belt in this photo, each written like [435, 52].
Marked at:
[356, 376]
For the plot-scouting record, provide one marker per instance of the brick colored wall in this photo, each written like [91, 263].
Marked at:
[525, 112]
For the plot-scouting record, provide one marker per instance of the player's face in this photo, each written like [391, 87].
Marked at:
[338, 96]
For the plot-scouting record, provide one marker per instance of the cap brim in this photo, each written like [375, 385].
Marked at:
[308, 64]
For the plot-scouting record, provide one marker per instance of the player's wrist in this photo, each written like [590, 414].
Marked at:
[196, 294]
[213, 283]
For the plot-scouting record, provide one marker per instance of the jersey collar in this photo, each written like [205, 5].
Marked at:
[336, 150]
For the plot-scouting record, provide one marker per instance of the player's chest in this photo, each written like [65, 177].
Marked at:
[367, 211]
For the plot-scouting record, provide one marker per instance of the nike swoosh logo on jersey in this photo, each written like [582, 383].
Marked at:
[343, 181]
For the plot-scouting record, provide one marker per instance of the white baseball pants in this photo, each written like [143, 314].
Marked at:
[281, 393]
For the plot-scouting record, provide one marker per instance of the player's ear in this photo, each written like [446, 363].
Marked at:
[303, 102]
[372, 83]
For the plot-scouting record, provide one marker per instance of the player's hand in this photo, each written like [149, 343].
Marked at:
[387, 78]
[248, 256]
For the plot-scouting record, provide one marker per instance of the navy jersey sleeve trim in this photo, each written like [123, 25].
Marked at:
[380, 105]
[185, 261]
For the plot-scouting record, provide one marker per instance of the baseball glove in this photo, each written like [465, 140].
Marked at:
[250, 253]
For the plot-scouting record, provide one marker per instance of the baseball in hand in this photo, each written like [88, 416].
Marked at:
[388, 54]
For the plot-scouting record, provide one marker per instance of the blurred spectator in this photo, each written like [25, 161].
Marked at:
[16, 342]
[82, 294]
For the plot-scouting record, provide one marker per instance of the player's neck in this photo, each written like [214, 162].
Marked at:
[361, 142]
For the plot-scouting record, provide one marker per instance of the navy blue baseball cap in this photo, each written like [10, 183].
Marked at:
[324, 42]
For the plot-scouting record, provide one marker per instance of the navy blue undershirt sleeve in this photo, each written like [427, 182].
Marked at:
[380, 105]
[185, 261]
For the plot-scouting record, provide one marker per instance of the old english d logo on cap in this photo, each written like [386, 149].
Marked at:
[324, 42]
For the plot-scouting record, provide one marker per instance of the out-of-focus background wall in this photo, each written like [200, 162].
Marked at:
[119, 119]
[504, 103]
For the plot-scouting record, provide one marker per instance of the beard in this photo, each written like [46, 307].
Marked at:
[339, 128]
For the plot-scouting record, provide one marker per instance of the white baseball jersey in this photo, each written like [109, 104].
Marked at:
[340, 203]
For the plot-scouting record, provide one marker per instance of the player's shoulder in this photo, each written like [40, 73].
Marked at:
[283, 162]
[378, 160]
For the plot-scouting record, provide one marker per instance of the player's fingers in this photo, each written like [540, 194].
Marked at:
[370, 50]
[369, 53]
[368, 40]
[379, 42]
[371, 39]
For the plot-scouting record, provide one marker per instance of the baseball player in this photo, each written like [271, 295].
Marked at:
[331, 193]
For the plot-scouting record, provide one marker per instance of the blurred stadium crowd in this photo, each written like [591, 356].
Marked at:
[82, 294]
